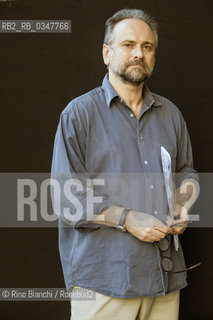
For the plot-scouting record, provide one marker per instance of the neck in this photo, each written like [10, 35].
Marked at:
[131, 94]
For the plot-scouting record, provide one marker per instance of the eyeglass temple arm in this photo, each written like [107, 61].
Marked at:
[192, 267]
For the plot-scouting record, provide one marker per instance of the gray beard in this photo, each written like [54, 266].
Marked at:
[131, 78]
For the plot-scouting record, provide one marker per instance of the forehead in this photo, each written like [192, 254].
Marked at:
[134, 30]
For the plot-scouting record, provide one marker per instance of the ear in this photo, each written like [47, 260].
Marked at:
[105, 52]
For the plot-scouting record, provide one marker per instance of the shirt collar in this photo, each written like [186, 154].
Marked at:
[110, 94]
[149, 99]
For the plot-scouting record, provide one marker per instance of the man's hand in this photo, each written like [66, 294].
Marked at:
[178, 226]
[185, 196]
[146, 227]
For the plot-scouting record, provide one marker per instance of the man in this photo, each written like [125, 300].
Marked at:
[114, 148]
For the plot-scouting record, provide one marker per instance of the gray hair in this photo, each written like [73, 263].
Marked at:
[129, 14]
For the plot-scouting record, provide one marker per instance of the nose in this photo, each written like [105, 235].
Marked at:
[138, 52]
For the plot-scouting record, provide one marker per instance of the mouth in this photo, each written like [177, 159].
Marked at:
[136, 66]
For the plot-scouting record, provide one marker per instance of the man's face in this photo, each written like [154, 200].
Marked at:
[131, 56]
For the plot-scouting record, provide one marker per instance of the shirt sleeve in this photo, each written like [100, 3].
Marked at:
[73, 197]
[184, 158]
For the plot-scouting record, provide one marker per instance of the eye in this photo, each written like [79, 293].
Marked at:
[127, 45]
[148, 47]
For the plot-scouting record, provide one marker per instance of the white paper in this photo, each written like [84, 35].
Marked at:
[167, 173]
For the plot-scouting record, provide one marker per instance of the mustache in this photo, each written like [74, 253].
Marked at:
[138, 62]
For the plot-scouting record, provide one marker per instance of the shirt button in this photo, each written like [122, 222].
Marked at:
[152, 187]
[141, 137]
[155, 212]
[146, 162]
[131, 115]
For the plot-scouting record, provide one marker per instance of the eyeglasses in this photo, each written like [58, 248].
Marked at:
[166, 262]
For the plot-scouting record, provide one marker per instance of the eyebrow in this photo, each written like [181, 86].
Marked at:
[133, 41]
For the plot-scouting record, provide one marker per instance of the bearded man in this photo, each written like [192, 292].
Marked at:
[123, 244]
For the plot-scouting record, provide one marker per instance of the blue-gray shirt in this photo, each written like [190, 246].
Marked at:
[99, 137]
